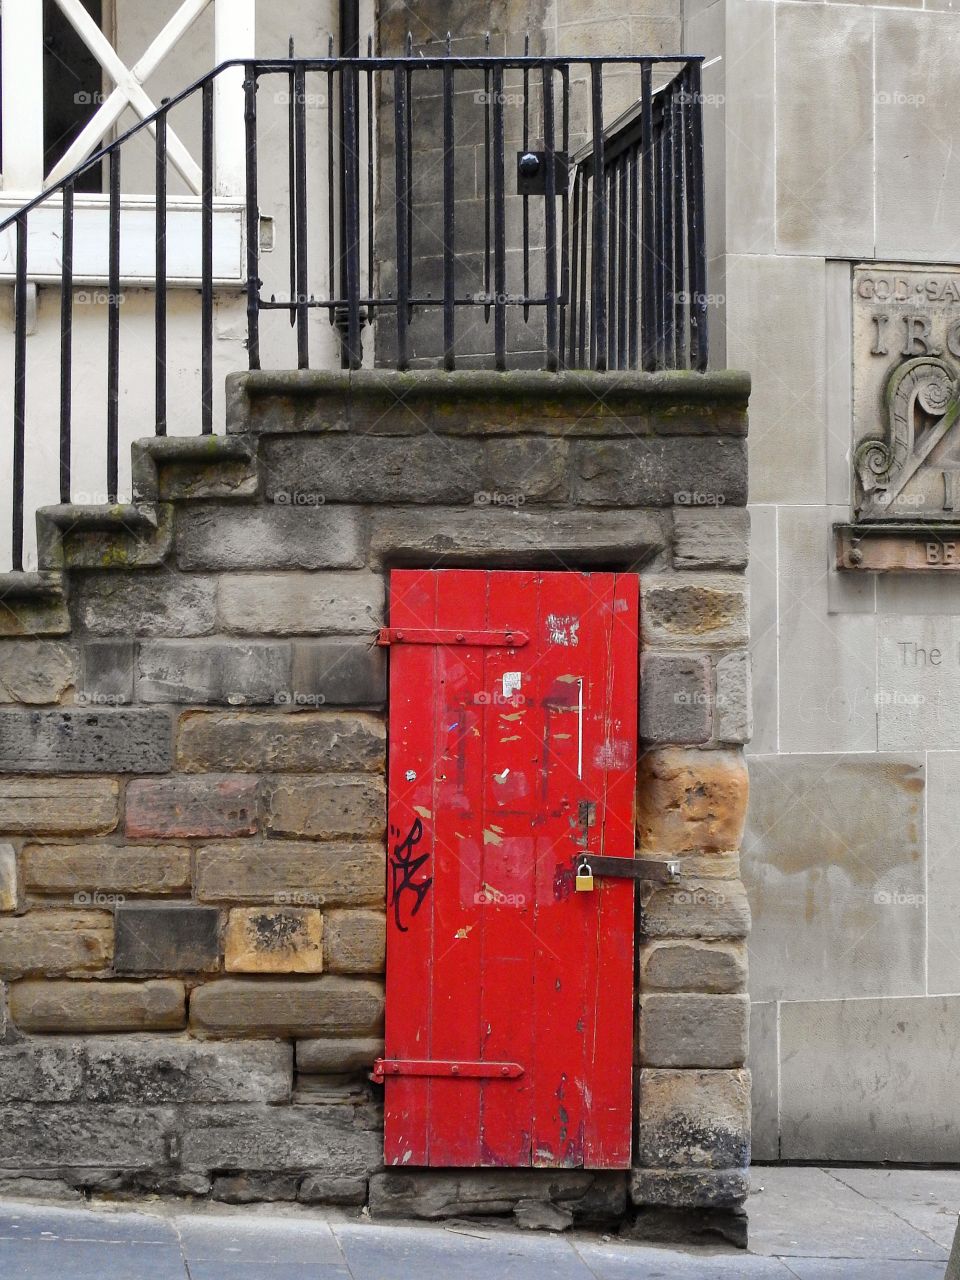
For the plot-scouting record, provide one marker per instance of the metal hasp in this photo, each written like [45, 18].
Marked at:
[469, 639]
[430, 1067]
[653, 870]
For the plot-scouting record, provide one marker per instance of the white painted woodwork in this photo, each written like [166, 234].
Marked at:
[22, 105]
[234, 37]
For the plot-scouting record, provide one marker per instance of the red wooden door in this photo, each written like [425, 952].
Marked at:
[513, 714]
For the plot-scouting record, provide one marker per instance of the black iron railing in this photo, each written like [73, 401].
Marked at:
[450, 204]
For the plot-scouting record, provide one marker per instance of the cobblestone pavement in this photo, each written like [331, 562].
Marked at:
[810, 1224]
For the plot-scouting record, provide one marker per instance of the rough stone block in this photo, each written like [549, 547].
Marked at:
[325, 1006]
[301, 603]
[133, 740]
[691, 800]
[323, 1188]
[326, 808]
[711, 538]
[233, 672]
[495, 534]
[147, 603]
[274, 940]
[167, 938]
[56, 942]
[734, 719]
[274, 536]
[694, 1030]
[427, 1194]
[375, 469]
[338, 672]
[291, 873]
[8, 877]
[245, 1188]
[337, 1056]
[254, 1137]
[107, 673]
[693, 610]
[211, 805]
[718, 968]
[675, 698]
[693, 1119]
[660, 472]
[78, 869]
[145, 1069]
[66, 1136]
[58, 806]
[36, 671]
[62, 1007]
[701, 907]
[263, 742]
[689, 1188]
[355, 941]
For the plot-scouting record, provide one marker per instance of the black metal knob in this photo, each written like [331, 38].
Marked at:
[529, 165]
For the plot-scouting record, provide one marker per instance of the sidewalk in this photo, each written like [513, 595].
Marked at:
[810, 1224]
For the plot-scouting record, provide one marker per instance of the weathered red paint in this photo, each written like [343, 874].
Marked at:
[491, 954]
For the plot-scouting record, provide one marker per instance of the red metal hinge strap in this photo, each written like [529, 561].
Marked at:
[384, 1067]
[432, 635]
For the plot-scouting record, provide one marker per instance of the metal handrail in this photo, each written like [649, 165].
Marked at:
[633, 239]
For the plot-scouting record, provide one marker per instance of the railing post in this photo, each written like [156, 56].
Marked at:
[22, 79]
[234, 37]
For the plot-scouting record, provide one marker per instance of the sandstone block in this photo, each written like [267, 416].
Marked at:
[211, 805]
[61, 1007]
[286, 604]
[274, 536]
[734, 697]
[67, 1136]
[719, 968]
[427, 1194]
[36, 671]
[691, 800]
[146, 603]
[689, 1188]
[355, 941]
[232, 672]
[693, 1030]
[146, 1069]
[711, 538]
[266, 742]
[119, 869]
[250, 1188]
[337, 1056]
[291, 873]
[675, 698]
[692, 610]
[107, 678]
[661, 472]
[167, 938]
[56, 942]
[700, 907]
[8, 877]
[331, 1005]
[252, 1137]
[87, 740]
[274, 940]
[333, 807]
[322, 1188]
[338, 672]
[58, 806]
[693, 1119]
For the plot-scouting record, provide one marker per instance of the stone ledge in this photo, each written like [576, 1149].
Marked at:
[178, 468]
[122, 535]
[387, 402]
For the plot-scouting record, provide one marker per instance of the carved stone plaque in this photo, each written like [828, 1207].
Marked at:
[906, 394]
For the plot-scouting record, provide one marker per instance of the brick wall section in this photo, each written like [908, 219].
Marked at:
[192, 758]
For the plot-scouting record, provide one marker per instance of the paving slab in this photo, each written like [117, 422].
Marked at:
[929, 1199]
[648, 1262]
[267, 1271]
[257, 1239]
[23, 1221]
[802, 1213]
[91, 1260]
[862, 1269]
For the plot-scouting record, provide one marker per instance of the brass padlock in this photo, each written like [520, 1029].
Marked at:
[584, 881]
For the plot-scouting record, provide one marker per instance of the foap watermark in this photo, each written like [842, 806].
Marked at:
[484, 699]
[699, 897]
[298, 498]
[490, 897]
[98, 298]
[898, 898]
[698, 498]
[298, 898]
[284, 98]
[88, 698]
[896, 98]
[488, 498]
[97, 898]
[298, 698]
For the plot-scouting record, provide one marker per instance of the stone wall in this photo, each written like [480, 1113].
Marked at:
[192, 800]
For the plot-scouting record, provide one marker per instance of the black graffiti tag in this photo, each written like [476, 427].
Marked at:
[403, 867]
